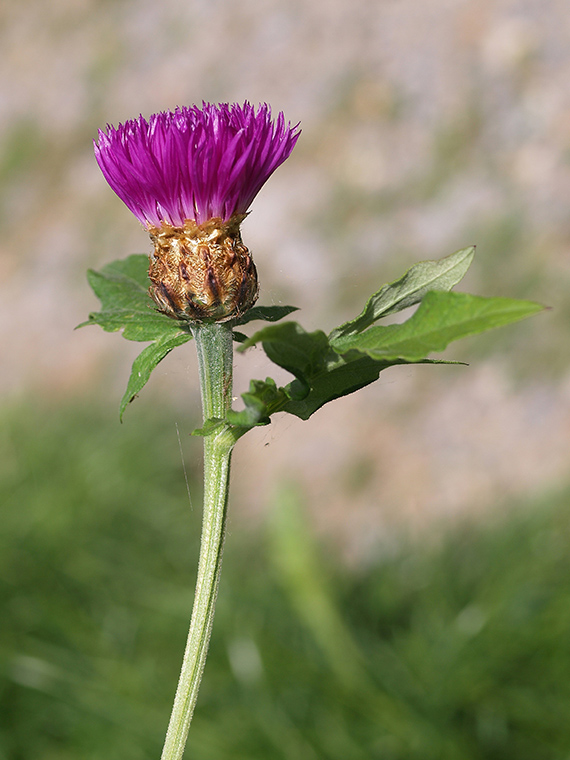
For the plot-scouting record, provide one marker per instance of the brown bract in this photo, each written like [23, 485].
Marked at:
[202, 272]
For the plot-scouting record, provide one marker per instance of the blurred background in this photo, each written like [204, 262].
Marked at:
[397, 582]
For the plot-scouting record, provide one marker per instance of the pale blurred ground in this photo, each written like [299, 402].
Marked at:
[427, 126]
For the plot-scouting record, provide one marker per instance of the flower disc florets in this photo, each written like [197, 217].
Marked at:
[185, 172]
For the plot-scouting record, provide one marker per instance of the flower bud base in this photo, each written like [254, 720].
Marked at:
[202, 273]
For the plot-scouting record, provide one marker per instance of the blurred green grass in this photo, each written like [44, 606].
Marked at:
[454, 649]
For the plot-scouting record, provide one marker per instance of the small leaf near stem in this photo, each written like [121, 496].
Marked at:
[215, 359]
[144, 364]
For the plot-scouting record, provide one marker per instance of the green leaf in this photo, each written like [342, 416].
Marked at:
[289, 346]
[135, 267]
[324, 367]
[261, 400]
[210, 426]
[440, 319]
[135, 325]
[146, 361]
[120, 284]
[321, 374]
[266, 313]
[440, 275]
[339, 381]
[122, 287]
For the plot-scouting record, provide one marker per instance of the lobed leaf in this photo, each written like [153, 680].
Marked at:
[324, 368]
[289, 346]
[122, 287]
[340, 380]
[440, 319]
[320, 374]
[134, 267]
[320, 377]
[409, 290]
[261, 400]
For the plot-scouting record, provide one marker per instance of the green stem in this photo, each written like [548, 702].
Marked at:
[215, 360]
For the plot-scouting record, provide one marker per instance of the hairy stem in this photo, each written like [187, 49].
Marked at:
[215, 359]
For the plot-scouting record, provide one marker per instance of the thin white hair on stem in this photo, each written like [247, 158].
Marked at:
[184, 466]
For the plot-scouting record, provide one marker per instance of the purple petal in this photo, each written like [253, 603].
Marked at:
[194, 163]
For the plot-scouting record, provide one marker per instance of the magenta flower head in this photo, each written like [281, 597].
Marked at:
[190, 176]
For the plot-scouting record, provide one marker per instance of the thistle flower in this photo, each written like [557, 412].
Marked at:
[190, 176]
